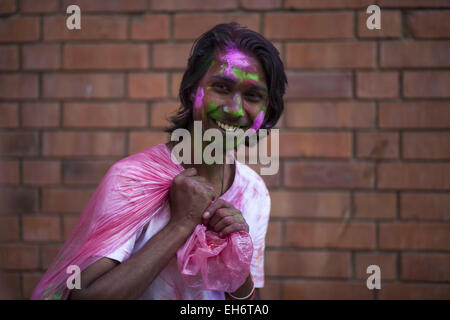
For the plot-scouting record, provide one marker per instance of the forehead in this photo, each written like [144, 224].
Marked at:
[235, 62]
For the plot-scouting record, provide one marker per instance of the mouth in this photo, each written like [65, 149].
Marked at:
[227, 127]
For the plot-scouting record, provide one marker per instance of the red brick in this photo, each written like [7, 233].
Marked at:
[29, 283]
[9, 172]
[69, 224]
[377, 84]
[175, 79]
[41, 57]
[171, 55]
[141, 140]
[9, 115]
[271, 290]
[8, 6]
[307, 264]
[9, 229]
[428, 114]
[429, 24]
[426, 267]
[349, 235]
[85, 172]
[325, 290]
[92, 85]
[414, 54]
[19, 143]
[261, 4]
[9, 58]
[331, 55]
[416, 175]
[377, 145]
[425, 206]
[426, 145]
[41, 228]
[193, 5]
[71, 143]
[41, 172]
[319, 85]
[274, 234]
[330, 114]
[191, 26]
[42, 6]
[315, 145]
[413, 3]
[108, 5]
[375, 205]
[16, 201]
[294, 204]
[99, 27]
[65, 200]
[327, 4]
[405, 291]
[47, 255]
[105, 56]
[386, 261]
[271, 181]
[337, 25]
[108, 115]
[150, 27]
[19, 257]
[40, 115]
[18, 86]
[160, 112]
[10, 288]
[147, 85]
[391, 25]
[427, 84]
[414, 236]
[325, 174]
[19, 29]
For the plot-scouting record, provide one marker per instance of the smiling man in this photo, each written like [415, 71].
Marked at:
[234, 82]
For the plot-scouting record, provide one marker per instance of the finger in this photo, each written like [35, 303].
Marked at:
[219, 203]
[225, 216]
[235, 227]
[225, 222]
[189, 172]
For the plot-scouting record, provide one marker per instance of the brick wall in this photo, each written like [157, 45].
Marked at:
[365, 171]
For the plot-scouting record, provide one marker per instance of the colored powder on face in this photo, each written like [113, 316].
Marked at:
[258, 121]
[199, 97]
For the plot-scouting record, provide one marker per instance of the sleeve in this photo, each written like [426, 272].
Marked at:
[258, 236]
[124, 252]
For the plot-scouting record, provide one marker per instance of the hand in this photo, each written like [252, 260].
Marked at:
[222, 217]
[189, 196]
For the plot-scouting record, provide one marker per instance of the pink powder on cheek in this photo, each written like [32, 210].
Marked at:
[198, 101]
[258, 120]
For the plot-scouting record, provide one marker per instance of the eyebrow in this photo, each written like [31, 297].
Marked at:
[234, 81]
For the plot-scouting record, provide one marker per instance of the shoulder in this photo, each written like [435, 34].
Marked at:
[252, 179]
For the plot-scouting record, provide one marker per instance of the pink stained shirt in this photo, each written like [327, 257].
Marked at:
[249, 194]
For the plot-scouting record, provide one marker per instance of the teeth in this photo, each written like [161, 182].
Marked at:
[225, 126]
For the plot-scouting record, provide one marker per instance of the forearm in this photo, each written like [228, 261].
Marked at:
[131, 278]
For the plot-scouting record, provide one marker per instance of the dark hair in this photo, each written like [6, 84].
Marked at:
[231, 35]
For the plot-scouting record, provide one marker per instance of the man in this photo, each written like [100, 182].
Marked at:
[234, 80]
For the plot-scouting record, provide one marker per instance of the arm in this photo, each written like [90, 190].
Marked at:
[189, 195]
[107, 279]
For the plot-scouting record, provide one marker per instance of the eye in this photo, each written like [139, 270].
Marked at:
[254, 96]
[221, 87]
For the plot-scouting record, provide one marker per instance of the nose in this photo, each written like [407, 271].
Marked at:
[235, 107]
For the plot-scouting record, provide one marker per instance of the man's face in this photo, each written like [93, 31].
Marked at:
[232, 94]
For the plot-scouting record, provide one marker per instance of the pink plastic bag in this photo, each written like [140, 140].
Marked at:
[215, 263]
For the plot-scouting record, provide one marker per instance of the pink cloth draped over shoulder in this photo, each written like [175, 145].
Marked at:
[126, 199]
